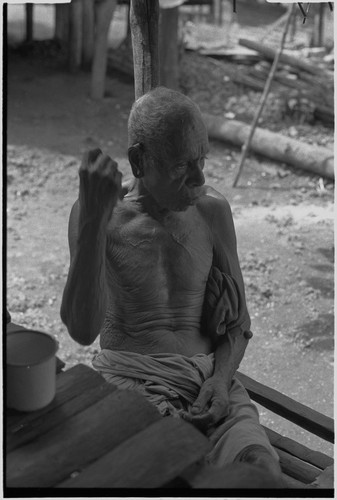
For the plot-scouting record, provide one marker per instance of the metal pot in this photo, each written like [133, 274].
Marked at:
[31, 369]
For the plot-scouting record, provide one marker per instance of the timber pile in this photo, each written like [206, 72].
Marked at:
[308, 87]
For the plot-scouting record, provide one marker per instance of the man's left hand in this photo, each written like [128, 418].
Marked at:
[211, 405]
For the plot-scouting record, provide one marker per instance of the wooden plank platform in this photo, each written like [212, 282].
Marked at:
[95, 436]
[149, 459]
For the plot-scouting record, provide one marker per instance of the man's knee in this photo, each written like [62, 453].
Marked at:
[261, 457]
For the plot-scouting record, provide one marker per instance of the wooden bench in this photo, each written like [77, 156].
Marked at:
[300, 464]
[94, 436]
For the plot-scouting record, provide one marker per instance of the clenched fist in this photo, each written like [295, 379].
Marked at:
[100, 185]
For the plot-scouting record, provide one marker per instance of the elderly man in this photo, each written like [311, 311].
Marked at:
[154, 271]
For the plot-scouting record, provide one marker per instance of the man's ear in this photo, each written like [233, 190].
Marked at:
[135, 154]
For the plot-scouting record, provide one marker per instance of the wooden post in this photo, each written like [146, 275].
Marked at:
[218, 11]
[75, 35]
[128, 28]
[29, 22]
[320, 30]
[104, 10]
[144, 16]
[62, 11]
[88, 33]
[168, 48]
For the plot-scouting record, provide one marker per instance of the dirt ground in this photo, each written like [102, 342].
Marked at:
[284, 221]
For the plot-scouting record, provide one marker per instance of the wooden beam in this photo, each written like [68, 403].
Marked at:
[282, 405]
[144, 17]
[296, 468]
[298, 450]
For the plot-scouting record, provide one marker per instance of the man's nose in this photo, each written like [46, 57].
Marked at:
[196, 177]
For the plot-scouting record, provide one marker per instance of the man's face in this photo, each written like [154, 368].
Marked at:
[174, 172]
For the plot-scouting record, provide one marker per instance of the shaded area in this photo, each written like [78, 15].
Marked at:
[318, 333]
[323, 268]
[324, 285]
[329, 253]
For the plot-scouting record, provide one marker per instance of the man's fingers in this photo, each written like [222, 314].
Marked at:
[202, 400]
[94, 154]
[219, 409]
[89, 158]
[202, 422]
[205, 420]
[97, 164]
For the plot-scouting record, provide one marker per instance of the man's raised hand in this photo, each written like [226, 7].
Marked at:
[100, 185]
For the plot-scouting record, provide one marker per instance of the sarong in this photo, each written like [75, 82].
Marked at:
[165, 379]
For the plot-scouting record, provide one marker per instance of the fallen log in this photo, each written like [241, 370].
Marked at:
[321, 112]
[269, 53]
[317, 93]
[255, 83]
[304, 83]
[316, 159]
[325, 114]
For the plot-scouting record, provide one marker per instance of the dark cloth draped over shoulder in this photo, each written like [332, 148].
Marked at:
[224, 309]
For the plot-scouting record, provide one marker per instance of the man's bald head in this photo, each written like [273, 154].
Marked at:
[158, 116]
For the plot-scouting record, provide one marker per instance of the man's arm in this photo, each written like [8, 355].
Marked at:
[85, 295]
[231, 347]
[212, 402]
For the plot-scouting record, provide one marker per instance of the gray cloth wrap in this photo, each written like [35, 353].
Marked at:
[224, 309]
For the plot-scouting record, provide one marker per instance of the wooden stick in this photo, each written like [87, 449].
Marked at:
[303, 12]
[272, 28]
[144, 17]
[245, 147]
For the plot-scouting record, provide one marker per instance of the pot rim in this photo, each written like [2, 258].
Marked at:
[47, 358]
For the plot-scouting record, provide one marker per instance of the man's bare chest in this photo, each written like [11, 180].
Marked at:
[179, 248]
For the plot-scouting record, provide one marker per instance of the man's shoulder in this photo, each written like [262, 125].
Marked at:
[212, 203]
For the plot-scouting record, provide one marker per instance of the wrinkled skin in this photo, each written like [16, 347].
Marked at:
[161, 240]
[141, 256]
